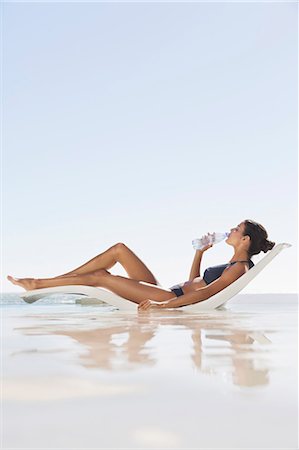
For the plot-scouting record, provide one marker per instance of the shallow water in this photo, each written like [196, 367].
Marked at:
[83, 377]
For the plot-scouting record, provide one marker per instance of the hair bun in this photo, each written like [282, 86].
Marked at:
[267, 245]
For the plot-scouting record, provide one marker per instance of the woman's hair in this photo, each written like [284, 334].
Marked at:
[258, 238]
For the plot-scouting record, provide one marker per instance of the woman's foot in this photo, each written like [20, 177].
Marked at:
[26, 283]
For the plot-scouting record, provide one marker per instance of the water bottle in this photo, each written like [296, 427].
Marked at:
[208, 239]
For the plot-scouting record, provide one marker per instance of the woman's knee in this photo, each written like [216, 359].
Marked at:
[119, 248]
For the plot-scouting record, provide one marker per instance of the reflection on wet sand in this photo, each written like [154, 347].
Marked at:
[118, 342]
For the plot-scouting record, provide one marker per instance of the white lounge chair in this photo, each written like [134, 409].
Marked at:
[105, 296]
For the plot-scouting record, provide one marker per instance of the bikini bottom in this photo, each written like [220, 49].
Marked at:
[177, 290]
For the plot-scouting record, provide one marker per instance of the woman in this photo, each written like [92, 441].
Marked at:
[248, 238]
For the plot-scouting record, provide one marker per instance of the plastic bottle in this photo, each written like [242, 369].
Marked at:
[207, 239]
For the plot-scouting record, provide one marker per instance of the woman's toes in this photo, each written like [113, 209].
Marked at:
[26, 283]
[13, 279]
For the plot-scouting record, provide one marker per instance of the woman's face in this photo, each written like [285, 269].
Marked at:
[236, 234]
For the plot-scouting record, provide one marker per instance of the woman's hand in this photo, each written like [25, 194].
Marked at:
[149, 304]
[206, 247]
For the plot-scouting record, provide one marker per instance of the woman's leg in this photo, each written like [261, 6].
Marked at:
[37, 283]
[132, 290]
[104, 260]
[135, 291]
[122, 254]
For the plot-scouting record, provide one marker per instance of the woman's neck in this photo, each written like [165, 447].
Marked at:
[240, 256]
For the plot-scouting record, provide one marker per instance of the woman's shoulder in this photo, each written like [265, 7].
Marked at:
[251, 264]
[243, 264]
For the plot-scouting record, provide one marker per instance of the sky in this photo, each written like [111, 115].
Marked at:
[149, 124]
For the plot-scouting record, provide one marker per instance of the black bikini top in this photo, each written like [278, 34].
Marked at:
[212, 273]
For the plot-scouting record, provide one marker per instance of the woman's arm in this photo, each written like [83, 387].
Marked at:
[187, 299]
[195, 269]
[183, 300]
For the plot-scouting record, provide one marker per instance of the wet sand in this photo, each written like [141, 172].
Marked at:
[83, 377]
